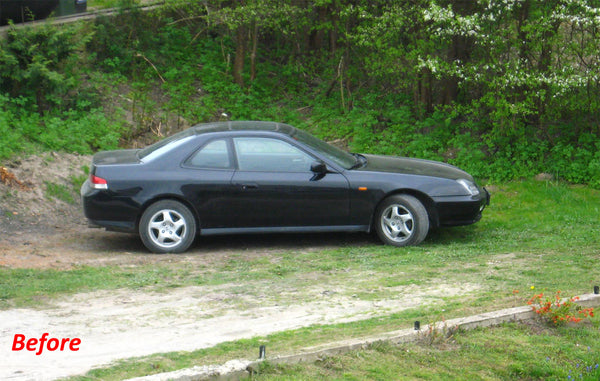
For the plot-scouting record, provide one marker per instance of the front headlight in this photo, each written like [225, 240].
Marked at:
[469, 186]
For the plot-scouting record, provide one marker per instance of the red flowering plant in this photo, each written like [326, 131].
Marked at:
[559, 311]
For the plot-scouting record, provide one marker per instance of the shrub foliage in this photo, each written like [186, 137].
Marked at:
[503, 88]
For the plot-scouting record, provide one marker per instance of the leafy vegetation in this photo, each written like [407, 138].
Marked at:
[505, 89]
[45, 103]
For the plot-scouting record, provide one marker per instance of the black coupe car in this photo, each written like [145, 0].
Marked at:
[257, 177]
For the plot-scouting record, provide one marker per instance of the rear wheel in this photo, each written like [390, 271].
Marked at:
[401, 220]
[167, 226]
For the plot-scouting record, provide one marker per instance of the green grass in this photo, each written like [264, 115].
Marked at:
[104, 4]
[28, 287]
[508, 352]
[68, 192]
[59, 192]
[533, 234]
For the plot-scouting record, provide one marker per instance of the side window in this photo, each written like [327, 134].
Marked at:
[213, 155]
[270, 155]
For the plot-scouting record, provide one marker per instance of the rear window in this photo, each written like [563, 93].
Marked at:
[213, 155]
[144, 152]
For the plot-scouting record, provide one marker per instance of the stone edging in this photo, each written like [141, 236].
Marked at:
[235, 369]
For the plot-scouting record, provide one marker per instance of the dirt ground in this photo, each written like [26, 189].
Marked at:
[41, 232]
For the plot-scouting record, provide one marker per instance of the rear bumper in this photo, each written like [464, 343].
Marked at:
[103, 209]
[116, 226]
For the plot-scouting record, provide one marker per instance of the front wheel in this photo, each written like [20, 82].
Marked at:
[401, 220]
[167, 226]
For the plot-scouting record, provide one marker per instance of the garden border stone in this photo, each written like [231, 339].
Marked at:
[236, 369]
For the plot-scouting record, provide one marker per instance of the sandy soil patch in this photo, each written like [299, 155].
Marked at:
[122, 324]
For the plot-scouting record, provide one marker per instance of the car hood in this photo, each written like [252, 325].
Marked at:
[379, 163]
[123, 156]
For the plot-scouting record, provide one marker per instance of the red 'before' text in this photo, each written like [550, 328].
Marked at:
[52, 344]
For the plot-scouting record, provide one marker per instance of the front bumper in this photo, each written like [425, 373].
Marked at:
[488, 197]
[465, 210]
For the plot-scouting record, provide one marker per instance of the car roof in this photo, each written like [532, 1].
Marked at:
[243, 126]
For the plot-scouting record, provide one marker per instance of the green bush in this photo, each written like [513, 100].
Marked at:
[385, 85]
[79, 132]
[41, 65]
[72, 131]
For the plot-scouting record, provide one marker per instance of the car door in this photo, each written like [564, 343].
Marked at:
[275, 187]
[208, 186]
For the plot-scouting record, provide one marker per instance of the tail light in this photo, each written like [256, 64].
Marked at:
[98, 182]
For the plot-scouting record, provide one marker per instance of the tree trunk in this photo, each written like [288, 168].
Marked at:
[424, 99]
[253, 53]
[333, 33]
[317, 35]
[460, 50]
[240, 55]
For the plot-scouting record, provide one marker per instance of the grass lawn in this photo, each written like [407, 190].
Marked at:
[509, 352]
[539, 234]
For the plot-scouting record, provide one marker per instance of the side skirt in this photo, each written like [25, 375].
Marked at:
[287, 229]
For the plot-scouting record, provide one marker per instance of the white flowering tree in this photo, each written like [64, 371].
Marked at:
[533, 62]
[514, 71]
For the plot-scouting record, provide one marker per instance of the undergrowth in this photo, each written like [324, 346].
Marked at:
[99, 85]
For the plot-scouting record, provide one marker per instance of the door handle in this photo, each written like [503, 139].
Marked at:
[249, 186]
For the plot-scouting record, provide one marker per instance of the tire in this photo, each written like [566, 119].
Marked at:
[401, 220]
[167, 226]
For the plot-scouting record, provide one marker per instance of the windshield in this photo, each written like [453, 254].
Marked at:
[160, 144]
[340, 157]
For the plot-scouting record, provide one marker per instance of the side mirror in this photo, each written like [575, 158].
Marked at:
[319, 168]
